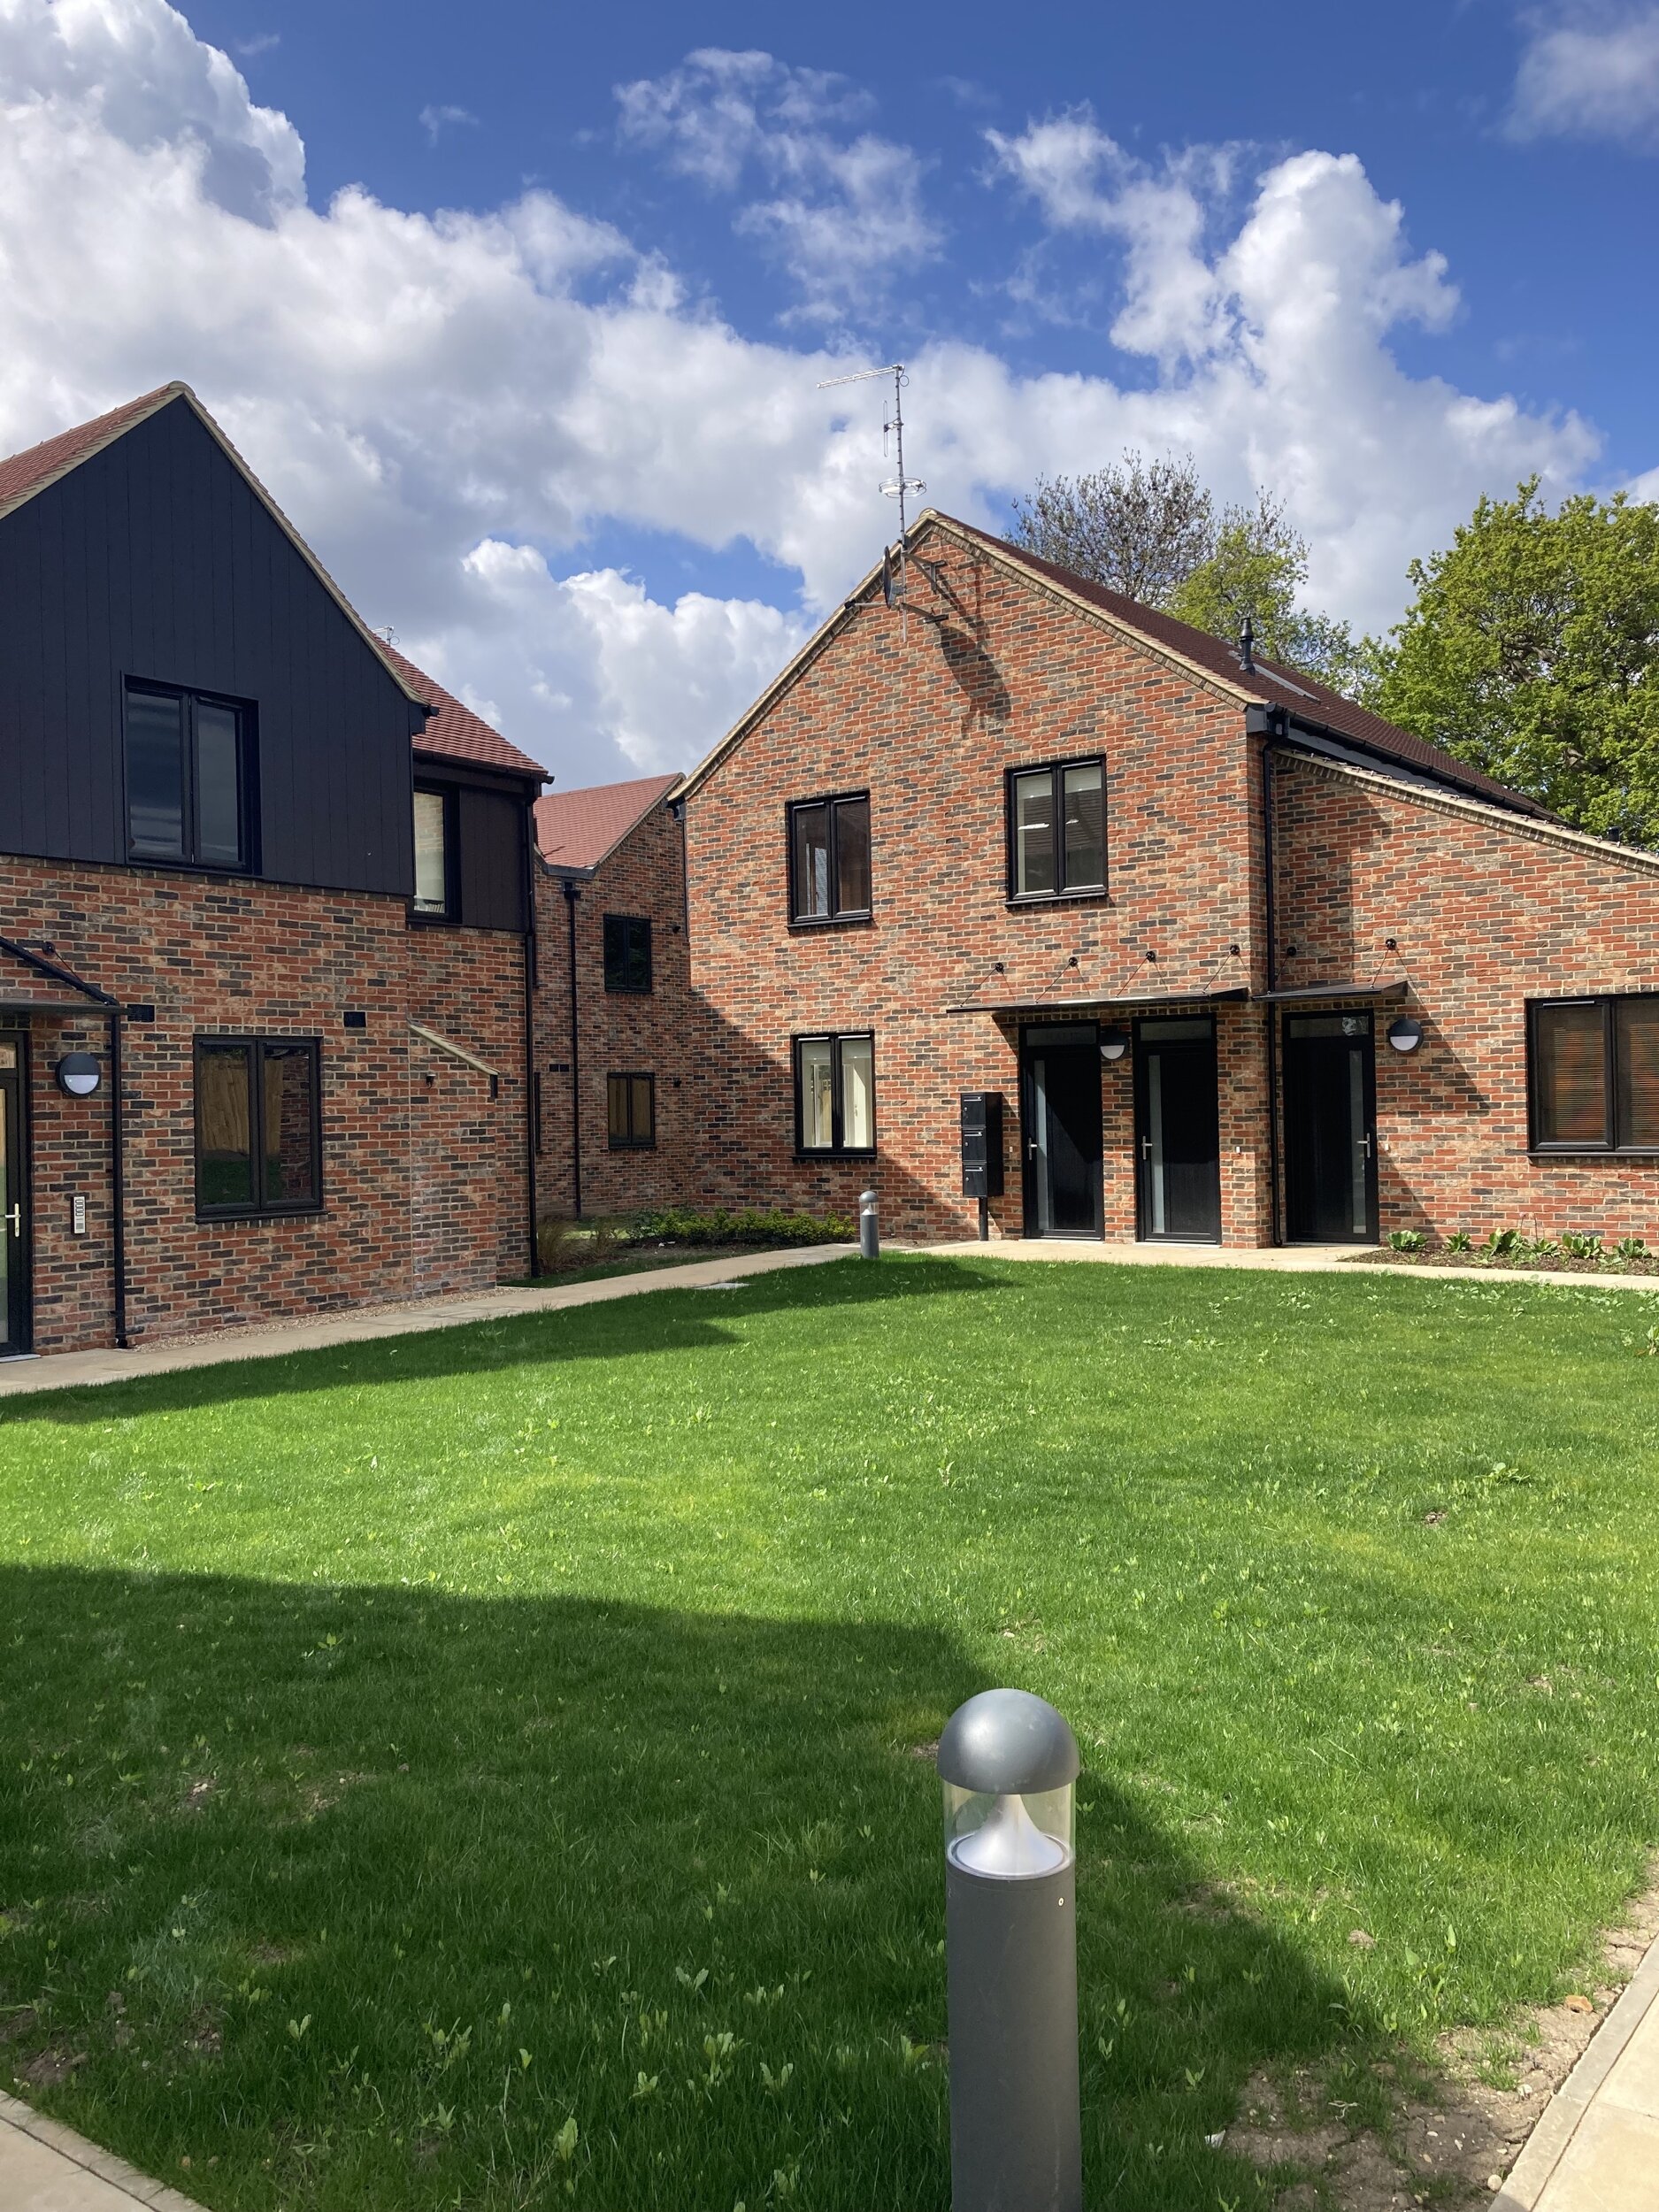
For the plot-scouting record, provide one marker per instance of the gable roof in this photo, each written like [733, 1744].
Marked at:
[1210, 660]
[578, 829]
[453, 733]
[1305, 696]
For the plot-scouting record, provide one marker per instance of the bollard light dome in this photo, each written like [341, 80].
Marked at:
[1008, 1763]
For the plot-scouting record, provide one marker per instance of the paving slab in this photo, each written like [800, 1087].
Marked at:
[46, 2167]
[61, 1370]
[1291, 1259]
[1595, 2148]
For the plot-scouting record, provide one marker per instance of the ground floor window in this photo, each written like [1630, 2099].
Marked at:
[631, 1111]
[258, 1139]
[835, 1093]
[1594, 1074]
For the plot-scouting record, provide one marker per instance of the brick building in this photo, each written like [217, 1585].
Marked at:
[265, 948]
[1237, 960]
[619, 1031]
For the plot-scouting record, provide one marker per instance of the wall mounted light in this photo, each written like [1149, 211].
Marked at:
[1114, 1043]
[1405, 1034]
[78, 1074]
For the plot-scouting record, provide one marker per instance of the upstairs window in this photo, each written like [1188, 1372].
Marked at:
[829, 859]
[835, 1093]
[187, 777]
[627, 952]
[434, 898]
[1594, 1074]
[631, 1112]
[258, 1148]
[1056, 830]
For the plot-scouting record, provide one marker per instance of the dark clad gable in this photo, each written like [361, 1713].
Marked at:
[157, 559]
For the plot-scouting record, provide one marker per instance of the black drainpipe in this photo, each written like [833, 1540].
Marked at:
[531, 863]
[1268, 723]
[118, 1178]
[571, 896]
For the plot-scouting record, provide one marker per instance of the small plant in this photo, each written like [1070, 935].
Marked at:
[1406, 1240]
[1545, 1249]
[1499, 1245]
[1460, 1240]
[1631, 1249]
[1576, 1246]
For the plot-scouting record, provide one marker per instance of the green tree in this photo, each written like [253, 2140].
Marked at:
[1152, 530]
[1255, 568]
[1532, 651]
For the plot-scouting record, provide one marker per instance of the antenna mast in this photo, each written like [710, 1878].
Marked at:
[901, 484]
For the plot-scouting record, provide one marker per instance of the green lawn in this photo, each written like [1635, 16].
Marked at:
[488, 1769]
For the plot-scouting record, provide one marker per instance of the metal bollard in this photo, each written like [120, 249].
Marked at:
[869, 1235]
[1009, 1763]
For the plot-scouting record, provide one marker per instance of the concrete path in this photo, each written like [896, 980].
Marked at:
[46, 2168]
[1596, 2145]
[1293, 1259]
[363, 1324]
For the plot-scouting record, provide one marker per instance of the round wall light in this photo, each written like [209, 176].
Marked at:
[1113, 1043]
[78, 1074]
[1405, 1033]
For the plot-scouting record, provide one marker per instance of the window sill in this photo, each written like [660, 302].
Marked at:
[1592, 1152]
[236, 870]
[612, 1146]
[823, 1152]
[211, 1217]
[432, 921]
[629, 990]
[807, 924]
[1020, 899]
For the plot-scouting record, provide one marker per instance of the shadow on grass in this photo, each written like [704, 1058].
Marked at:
[669, 1317]
[356, 1897]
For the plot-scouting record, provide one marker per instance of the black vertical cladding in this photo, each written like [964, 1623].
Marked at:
[157, 559]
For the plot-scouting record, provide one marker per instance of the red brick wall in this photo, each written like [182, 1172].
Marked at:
[1487, 913]
[650, 1033]
[269, 960]
[929, 717]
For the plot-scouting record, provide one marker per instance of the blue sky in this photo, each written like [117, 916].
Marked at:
[521, 310]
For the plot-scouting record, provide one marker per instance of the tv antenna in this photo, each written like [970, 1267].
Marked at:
[901, 484]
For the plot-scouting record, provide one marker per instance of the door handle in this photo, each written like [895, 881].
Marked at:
[15, 1216]
[1364, 1143]
[1033, 1148]
[1146, 1146]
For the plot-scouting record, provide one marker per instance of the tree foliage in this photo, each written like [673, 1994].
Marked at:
[1532, 651]
[1153, 531]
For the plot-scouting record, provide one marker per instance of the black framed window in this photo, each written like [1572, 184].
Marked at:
[835, 1093]
[258, 1125]
[436, 852]
[631, 1112]
[189, 777]
[1057, 829]
[627, 952]
[1593, 1074]
[829, 859]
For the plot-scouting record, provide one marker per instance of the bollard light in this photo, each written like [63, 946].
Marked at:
[869, 1235]
[1009, 1764]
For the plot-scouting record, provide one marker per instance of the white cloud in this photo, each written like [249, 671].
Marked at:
[435, 121]
[449, 406]
[841, 214]
[1589, 70]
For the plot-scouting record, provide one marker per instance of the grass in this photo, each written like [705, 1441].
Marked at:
[488, 1769]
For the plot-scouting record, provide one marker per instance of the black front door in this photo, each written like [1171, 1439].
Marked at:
[1061, 1121]
[1330, 1130]
[14, 1311]
[1178, 1133]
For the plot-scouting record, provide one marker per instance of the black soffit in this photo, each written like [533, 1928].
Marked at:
[1314, 994]
[1109, 1004]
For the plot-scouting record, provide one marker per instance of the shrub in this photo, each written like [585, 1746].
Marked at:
[1460, 1240]
[745, 1224]
[1406, 1240]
